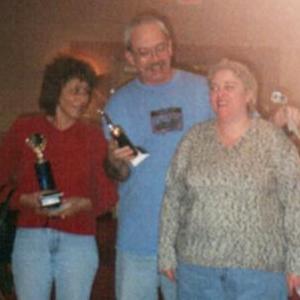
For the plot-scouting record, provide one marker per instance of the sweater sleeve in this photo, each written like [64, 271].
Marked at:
[173, 205]
[288, 189]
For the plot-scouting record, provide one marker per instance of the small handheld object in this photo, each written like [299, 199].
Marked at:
[50, 198]
[118, 133]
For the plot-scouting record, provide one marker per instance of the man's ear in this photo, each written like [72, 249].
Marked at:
[129, 57]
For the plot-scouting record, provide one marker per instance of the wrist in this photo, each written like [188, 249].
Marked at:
[85, 204]
[117, 169]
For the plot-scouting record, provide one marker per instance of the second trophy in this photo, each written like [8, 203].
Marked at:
[119, 135]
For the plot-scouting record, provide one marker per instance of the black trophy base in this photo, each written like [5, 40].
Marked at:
[50, 199]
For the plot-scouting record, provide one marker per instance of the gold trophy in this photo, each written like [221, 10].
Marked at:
[50, 198]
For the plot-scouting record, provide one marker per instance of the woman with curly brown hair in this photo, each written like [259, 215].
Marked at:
[58, 246]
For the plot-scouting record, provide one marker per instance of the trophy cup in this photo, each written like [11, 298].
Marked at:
[118, 134]
[50, 197]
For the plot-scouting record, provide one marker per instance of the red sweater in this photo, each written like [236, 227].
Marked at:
[76, 156]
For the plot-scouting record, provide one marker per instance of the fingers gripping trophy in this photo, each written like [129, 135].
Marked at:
[50, 197]
[119, 135]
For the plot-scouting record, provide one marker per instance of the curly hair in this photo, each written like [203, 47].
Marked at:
[61, 70]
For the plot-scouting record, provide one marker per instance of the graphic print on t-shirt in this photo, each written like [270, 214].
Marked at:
[166, 120]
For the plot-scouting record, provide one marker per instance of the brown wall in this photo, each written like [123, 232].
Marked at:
[263, 33]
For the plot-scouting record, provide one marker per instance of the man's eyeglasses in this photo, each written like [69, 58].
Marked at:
[145, 53]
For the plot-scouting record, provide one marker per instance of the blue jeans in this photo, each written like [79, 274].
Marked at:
[137, 278]
[196, 282]
[45, 256]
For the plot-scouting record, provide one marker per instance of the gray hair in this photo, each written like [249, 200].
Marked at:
[145, 19]
[242, 72]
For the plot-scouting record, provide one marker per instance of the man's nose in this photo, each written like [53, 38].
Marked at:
[82, 98]
[154, 54]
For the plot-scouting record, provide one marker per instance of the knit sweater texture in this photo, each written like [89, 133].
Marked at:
[233, 207]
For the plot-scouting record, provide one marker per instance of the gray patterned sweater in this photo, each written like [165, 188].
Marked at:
[233, 207]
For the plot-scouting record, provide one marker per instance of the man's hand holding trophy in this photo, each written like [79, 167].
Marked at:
[138, 154]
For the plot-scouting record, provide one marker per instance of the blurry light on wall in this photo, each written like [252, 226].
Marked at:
[100, 66]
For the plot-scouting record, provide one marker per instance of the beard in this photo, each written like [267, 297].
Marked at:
[157, 66]
[156, 72]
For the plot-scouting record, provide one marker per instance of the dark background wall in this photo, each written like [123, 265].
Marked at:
[263, 33]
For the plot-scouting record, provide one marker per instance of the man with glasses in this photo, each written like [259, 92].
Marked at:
[155, 109]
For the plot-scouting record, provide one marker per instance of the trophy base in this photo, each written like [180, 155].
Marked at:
[50, 199]
[142, 154]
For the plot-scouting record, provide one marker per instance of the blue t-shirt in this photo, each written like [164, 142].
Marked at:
[155, 118]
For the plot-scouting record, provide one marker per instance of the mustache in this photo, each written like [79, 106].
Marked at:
[154, 65]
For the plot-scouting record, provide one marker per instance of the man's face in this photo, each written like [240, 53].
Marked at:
[151, 54]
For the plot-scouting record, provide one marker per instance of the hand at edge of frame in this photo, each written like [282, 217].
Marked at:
[170, 274]
[293, 283]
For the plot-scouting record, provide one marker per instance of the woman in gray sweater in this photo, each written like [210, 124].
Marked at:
[230, 222]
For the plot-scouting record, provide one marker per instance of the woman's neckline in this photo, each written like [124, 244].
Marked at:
[231, 136]
[51, 120]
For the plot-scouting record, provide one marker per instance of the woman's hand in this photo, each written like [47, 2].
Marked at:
[31, 201]
[70, 206]
[293, 282]
[170, 274]
[285, 115]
